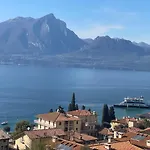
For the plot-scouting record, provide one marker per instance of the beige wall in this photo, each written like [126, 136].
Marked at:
[23, 142]
[43, 124]
[114, 124]
[76, 125]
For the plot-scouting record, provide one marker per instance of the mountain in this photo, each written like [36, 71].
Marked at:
[48, 41]
[45, 35]
[142, 44]
[88, 40]
[106, 46]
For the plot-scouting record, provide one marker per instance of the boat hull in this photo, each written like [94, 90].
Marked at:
[131, 106]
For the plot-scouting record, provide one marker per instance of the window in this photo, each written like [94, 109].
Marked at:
[76, 129]
[60, 123]
[76, 122]
[66, 129]
[49, 122]
[4, 140]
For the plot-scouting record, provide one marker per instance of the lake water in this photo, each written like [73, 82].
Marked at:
[26, 90]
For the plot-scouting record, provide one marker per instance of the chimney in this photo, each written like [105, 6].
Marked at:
[120, 134]
[109, 139]
[115, 134]
[108, 146]
[148, 143]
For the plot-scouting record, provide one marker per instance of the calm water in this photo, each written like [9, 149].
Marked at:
[26, 91]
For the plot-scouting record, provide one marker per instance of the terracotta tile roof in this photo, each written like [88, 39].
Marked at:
[126, 137]
[80, 113]
[73, 145]
[146, 131]
[56, 116]
[141, 142]
[121, 121]
[134, 129]
[85, 137]
[35, 134]
[3, 135]
[118, 146]
[105, 131]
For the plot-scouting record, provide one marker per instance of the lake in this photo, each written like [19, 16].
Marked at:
[28, 90]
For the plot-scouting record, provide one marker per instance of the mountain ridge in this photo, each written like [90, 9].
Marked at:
[47, 40]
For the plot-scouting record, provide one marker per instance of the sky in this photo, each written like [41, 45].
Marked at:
[128, 19]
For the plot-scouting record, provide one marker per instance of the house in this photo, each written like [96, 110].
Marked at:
[81, 138]
[58, 120]
[89, 120]
[29, 138]
[4, 140]
[116, 146]
[141, 140]
[125, 122]
[105, 133]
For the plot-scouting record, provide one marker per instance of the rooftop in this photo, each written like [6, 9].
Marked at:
[70, 144]
[57, 116]
[35, 134]
[105, 131]
[140, 140]
[118, 146]
[126, 137]
[3, 135]
[80, 113]
[83, 137]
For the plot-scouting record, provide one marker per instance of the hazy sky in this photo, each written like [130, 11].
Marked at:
[128, 19]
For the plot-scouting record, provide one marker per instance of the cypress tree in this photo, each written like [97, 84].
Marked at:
[112, 113]
[70, 107]
[83, 107]
[77, 107]
[73, 103]
[105, 114]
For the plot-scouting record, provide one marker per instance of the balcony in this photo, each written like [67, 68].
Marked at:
[44, 124]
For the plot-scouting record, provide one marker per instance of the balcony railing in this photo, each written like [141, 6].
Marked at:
[43, 124]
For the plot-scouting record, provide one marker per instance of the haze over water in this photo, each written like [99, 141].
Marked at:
[27, 90]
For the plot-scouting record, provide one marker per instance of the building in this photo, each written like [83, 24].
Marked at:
[29, 138]
[89, 120]
[58, 120]
[4, 140]
[81, 138]
[116, 146]
[105, 133]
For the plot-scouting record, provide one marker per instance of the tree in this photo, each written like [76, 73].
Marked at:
[7, 129]
[22, 126]
[105, 114]
[70, 107]
[112, 113]
[73, 102]
[60, 109]
[51, 110]
[77, 107]
[83, 107]
[89, 109]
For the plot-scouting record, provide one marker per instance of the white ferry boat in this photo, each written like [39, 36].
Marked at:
[137, 102]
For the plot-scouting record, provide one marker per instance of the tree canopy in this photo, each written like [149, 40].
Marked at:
[105, 114]
[112, 113]
[83, 107]
[73, 106]
[7, 129]
[51, 110]
[22, 126]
